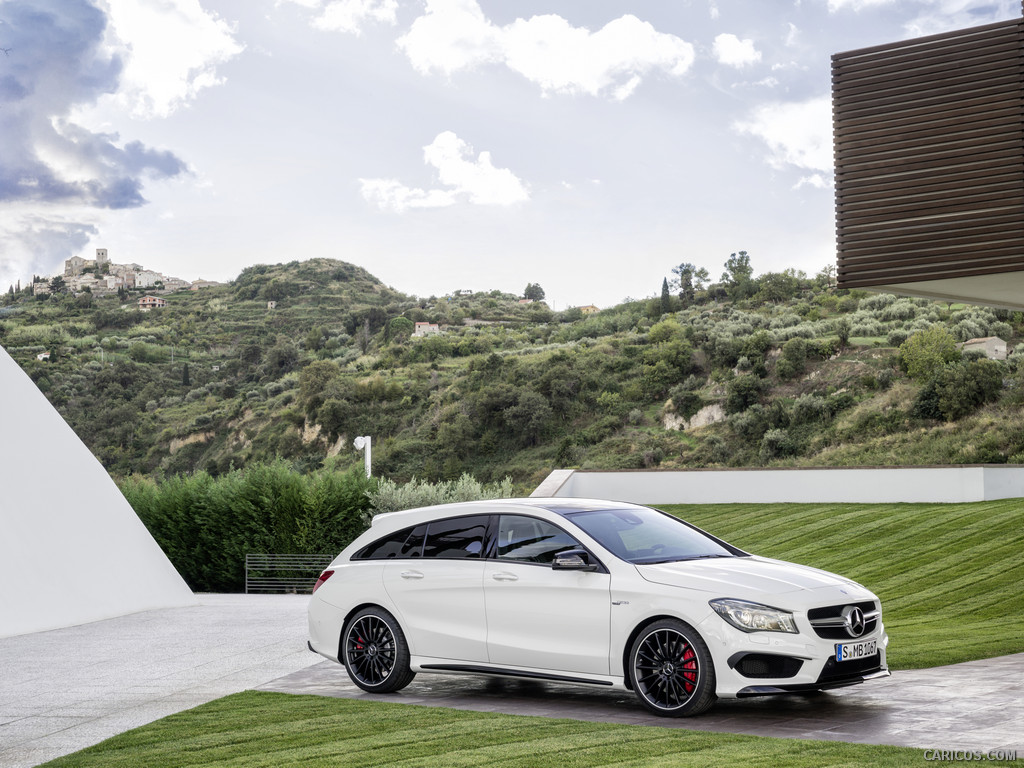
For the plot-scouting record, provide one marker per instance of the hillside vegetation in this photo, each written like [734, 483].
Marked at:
[778, 370]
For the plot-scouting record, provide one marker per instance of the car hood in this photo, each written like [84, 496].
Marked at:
[749, 577]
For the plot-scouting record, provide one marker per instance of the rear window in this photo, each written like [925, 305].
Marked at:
[405, 543]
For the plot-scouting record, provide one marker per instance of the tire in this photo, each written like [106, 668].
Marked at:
[671, 669]
[375, 653]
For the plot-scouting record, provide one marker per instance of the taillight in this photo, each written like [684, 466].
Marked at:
[323, 577]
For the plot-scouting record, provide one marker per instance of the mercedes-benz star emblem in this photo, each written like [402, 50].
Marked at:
[853, 620]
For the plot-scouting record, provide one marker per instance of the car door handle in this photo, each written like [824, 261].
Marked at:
[504, 577]
[411, 575]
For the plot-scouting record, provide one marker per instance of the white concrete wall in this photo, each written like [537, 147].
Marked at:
[857, 485]
[72, 550]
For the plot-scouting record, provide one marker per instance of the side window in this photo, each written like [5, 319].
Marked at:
[405, 543]
[530, 540]
[456, 537]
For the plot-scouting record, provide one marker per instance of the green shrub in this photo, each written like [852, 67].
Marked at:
[959, 389]
[389, 496]
[207, 525]
[776, 443]
[926, 352]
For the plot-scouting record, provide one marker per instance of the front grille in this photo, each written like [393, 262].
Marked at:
[822, 620]
[841, 670]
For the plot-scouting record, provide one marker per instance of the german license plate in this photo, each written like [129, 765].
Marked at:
[854, 651]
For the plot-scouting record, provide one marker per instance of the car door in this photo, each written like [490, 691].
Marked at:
[538, 617]
[439, 593]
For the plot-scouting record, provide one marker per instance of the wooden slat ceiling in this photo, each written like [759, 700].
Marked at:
[929, 153]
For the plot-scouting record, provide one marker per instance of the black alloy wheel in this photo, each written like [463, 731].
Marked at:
[375, 653]
[672, 671]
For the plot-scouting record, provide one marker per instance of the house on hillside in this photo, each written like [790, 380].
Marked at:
[993, 347]
[590, 309]
[147, 277]
[147, 303]
[426, 329]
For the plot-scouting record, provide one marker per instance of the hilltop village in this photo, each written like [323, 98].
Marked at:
[101, 277]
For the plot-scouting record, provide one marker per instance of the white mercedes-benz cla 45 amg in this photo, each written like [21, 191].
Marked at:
[593, 592]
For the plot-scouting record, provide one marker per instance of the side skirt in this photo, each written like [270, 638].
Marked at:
[502, 672]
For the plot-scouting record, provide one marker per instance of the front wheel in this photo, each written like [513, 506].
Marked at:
[672, 671]
[375, 653]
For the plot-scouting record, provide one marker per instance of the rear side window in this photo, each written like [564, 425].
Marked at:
[456, 537]
[404, 543]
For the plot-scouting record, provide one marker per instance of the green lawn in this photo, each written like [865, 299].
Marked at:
[274, 730]
[948, 574]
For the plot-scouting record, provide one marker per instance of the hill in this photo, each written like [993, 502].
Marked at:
[775, 370]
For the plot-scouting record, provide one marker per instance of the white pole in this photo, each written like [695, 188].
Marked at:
[363, 443]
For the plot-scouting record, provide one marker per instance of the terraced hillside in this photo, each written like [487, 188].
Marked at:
[777, 370]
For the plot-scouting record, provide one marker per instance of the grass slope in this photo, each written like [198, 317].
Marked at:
[948, 575]
[278, 730]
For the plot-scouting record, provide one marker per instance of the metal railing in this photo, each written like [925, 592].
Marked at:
[294, 574]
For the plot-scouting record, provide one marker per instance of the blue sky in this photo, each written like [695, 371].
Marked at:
[448, 144]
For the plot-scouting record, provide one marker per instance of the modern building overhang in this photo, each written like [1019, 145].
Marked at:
[929, 155]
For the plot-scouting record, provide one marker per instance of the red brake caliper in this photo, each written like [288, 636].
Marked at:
[690, 667]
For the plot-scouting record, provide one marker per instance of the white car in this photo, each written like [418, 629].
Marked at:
[593, 592]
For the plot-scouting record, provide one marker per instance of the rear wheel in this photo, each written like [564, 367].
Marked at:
[375, 653]
[672, 671]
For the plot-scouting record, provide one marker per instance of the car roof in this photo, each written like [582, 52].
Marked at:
[560, 506]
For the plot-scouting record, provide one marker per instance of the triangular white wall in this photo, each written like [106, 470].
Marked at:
[72, 550]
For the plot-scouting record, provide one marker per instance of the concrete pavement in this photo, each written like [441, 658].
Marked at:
[66, 689]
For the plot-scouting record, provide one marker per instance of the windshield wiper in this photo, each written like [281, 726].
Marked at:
[681, 559]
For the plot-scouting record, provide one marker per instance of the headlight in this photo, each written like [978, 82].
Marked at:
[754, 617]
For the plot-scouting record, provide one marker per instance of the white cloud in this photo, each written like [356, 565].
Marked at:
[797, 133]
[733, 52]
[476, 181]
[713, 9]
[792, 35]
[945, 15]
[171, 51]
[451, 35]
[351, 15]
[857, 5]
[547, 50]
[391, 193]
[816, 180]
[939, 15]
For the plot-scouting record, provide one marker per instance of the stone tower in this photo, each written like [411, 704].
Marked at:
[101, 257]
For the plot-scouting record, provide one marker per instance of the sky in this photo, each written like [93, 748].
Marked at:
[585, 145]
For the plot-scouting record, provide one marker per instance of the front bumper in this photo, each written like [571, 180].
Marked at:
[775, 690]
[773, 663]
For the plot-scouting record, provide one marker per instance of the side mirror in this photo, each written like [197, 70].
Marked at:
[573, 560]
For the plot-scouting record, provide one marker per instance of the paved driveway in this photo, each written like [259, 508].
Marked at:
[978, 705]
[64, 690]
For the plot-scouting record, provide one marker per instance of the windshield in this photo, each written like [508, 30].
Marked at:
[643, 536]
